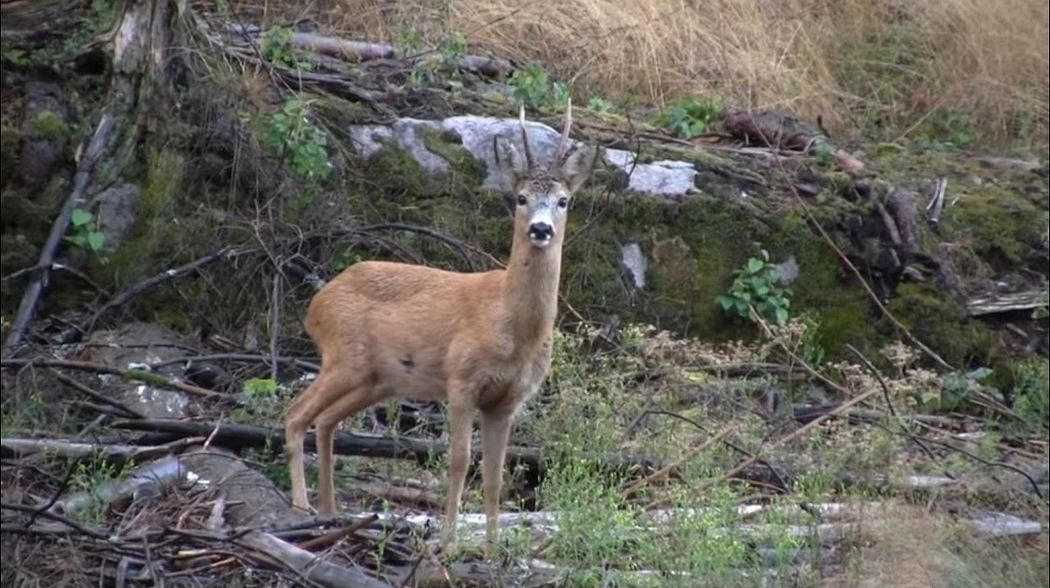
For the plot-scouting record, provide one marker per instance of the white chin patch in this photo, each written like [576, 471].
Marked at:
[540, 243]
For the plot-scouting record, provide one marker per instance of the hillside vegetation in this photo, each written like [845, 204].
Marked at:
[963, 70]
[803, 321]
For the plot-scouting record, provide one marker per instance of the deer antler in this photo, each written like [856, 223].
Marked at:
[563, 142]
[525, 138]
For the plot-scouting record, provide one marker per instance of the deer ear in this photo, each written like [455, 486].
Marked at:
[509, 162]
[578, 166]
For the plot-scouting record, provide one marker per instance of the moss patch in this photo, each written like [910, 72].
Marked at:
[942, 324]
[996, 222]
[49, 125]
[9, 141]
[158, 231]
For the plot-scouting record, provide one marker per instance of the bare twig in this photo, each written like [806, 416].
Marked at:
[156, 280]
[94, 151]
[137, 375]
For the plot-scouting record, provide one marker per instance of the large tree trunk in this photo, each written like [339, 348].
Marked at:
[138, 97]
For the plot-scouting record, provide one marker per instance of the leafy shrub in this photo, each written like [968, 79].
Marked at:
[757, 286]
[277, 48]
[532, 86]
[290, 133]
[1032, 394]
[86, 232]
[690, 116]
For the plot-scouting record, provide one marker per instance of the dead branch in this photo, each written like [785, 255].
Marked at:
[358, 51]
[145, 479]
[235, 436]
[936, 202]
[18, 447]
[158, 279]
[1002, 303]
[308, 565]
[93, 153]
[151, 378]
[126, 411]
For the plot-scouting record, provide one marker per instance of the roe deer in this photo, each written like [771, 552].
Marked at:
[481, 340]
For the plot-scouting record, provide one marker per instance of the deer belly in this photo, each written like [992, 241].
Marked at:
[411, 377]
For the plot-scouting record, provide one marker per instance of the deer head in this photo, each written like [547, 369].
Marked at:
[542, 194]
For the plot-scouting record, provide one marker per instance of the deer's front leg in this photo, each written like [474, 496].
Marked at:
[495, 432]
[460, 417]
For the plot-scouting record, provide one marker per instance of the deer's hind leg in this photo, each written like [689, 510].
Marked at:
[355, 399]
[325, 391]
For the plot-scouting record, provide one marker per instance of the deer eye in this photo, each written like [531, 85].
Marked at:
[563, 202]
[522, 200]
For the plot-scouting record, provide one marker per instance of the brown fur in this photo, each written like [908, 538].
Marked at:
[481, 340]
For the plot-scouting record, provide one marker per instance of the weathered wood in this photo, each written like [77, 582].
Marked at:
[18, 447]
[94, 152]
[1009, 302]
[357, 51]
[129, 374]
[308, 565]
[236, 436]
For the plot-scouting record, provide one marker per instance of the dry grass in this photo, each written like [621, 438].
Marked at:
[907, 68]
[912, 548]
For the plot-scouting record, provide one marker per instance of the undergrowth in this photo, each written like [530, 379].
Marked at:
[947, 72]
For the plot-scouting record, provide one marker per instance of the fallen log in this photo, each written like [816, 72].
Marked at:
[308, 565]
[1009, 302]
[94, 152]
[146, 377]
[235, 436]
[15, 447]
[358, 51]
[781, 131]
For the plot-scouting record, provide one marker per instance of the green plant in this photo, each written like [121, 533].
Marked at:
[958, 387]
[756, 285]
[599, 104]
[260, 401]
[1042, 310]
[812, 351]
[303, 144]
[277, 48]
[453, 47]
[86, 232]
[825, 155]
[530, 85]
[91, 476]
[49, 125]
[690, 116]
[595, 526]
[1031, 391]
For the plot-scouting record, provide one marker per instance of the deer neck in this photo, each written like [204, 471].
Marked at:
[531, 288]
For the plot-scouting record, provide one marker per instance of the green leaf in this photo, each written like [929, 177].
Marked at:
[782, 314]
[725, 302]
[80, 217]
[741, 308]
[95, 240]
[754, 265]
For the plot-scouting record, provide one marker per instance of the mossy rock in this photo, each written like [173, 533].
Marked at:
[9, 142]
[467, 172]
[48, 124]
[998, 223]
[942, 324]
[157, 231]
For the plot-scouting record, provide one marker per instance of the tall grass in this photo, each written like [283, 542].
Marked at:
[898, 68]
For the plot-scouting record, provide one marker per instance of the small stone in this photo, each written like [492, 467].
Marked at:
[787, 271]
[634, 260]
[116, 213]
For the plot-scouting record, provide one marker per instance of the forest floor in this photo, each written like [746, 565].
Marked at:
[142, 403]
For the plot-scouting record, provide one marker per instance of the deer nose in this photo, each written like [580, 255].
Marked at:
[541, 231]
